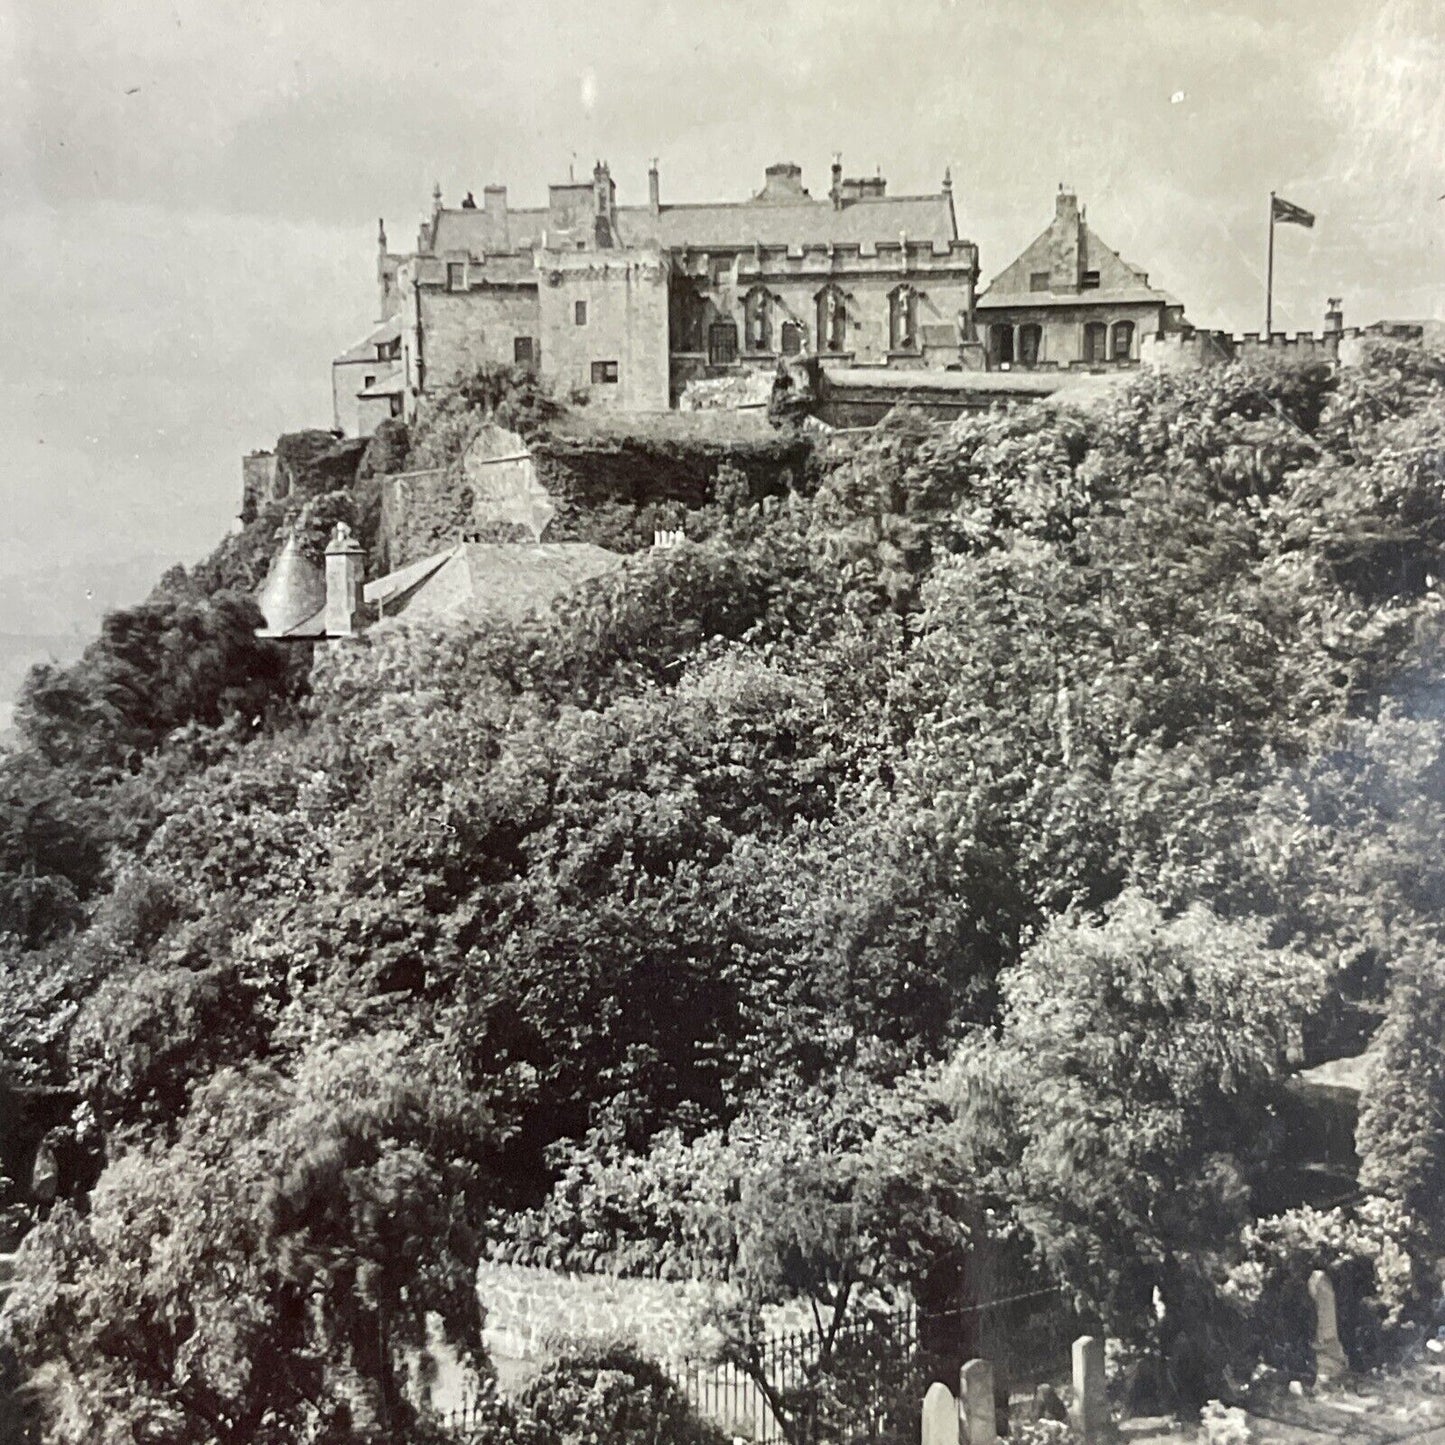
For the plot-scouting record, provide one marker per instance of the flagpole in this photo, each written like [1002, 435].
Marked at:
[1269, 275]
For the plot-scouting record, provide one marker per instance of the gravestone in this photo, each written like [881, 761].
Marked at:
[940, 1416]
[1048, 1405]
[975, 1389]
[1090, 1414]
[1330, 1361]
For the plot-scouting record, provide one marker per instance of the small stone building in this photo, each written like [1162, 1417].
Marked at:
[1071, 301]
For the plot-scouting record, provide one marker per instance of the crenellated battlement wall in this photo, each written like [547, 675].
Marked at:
[1191, 348]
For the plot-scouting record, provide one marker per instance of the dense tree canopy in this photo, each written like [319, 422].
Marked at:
[1093, 758]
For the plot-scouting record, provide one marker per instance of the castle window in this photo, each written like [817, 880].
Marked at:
[1038, 280]
[1089, 281]
[792, 338]
[1001, 345]
[367, 381]
[1123, 340]
[1031, 338]
[456, 275]
[579, 313]
[903, 319]
[395, 406]
[603, 371]
[832, 320]
[758, 316]
[1096, 342]
[523, 353]
[722, 343]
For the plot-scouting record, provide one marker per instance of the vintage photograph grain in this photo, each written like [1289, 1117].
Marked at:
[722, 722]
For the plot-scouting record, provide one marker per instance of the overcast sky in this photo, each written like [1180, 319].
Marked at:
[189, 189]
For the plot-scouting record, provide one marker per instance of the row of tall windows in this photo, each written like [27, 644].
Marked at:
[1022, 345]
[765, 332]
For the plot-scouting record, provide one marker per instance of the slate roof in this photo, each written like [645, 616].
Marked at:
[390, 382]
[491, 580]
[472, 581]
[295, 587]
[719, 225]
[366, 350]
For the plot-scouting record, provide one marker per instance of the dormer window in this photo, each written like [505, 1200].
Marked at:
[1089, 281]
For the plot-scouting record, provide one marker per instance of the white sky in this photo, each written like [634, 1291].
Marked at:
[189, 188]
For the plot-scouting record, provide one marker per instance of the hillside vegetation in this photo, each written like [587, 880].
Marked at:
[959, 851]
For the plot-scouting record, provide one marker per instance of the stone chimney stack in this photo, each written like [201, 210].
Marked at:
[836, 191]
[436, 200]
[345, 571]
[1066, 242]
[494, 200]
[654, 188]
[1334, 316]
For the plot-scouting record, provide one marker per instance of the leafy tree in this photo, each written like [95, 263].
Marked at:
[1128, 1097]
[843, 1199]
[269, 1273]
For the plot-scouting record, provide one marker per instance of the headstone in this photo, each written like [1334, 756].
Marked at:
[940, 1416]
[1330, 1361]
[975, 1390]
[1090, 1413]
[1048, 1405]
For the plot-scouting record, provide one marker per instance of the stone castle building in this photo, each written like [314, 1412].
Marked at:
[1070, 300]
[629, 304]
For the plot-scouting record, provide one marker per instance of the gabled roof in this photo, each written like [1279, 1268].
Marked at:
[721, 225]
[385, 331]
[1070, 243]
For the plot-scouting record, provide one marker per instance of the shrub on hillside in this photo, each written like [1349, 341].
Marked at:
[608, 1391]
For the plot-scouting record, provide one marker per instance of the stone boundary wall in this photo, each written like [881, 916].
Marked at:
[528, 1306]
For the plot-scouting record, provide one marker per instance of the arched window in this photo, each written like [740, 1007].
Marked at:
[758, 317]
[791, 335]
[1096, 342]
[1123, 347]
[1001, 345]
[1031, 340]
[832, 320]
[903, 319]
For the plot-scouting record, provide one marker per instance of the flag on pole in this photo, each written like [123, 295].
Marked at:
[1289, 212]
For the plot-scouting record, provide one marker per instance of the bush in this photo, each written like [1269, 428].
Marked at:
[607, 1391]
[1366, 1253]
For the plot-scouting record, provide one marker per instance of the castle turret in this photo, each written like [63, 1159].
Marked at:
[345, 573]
